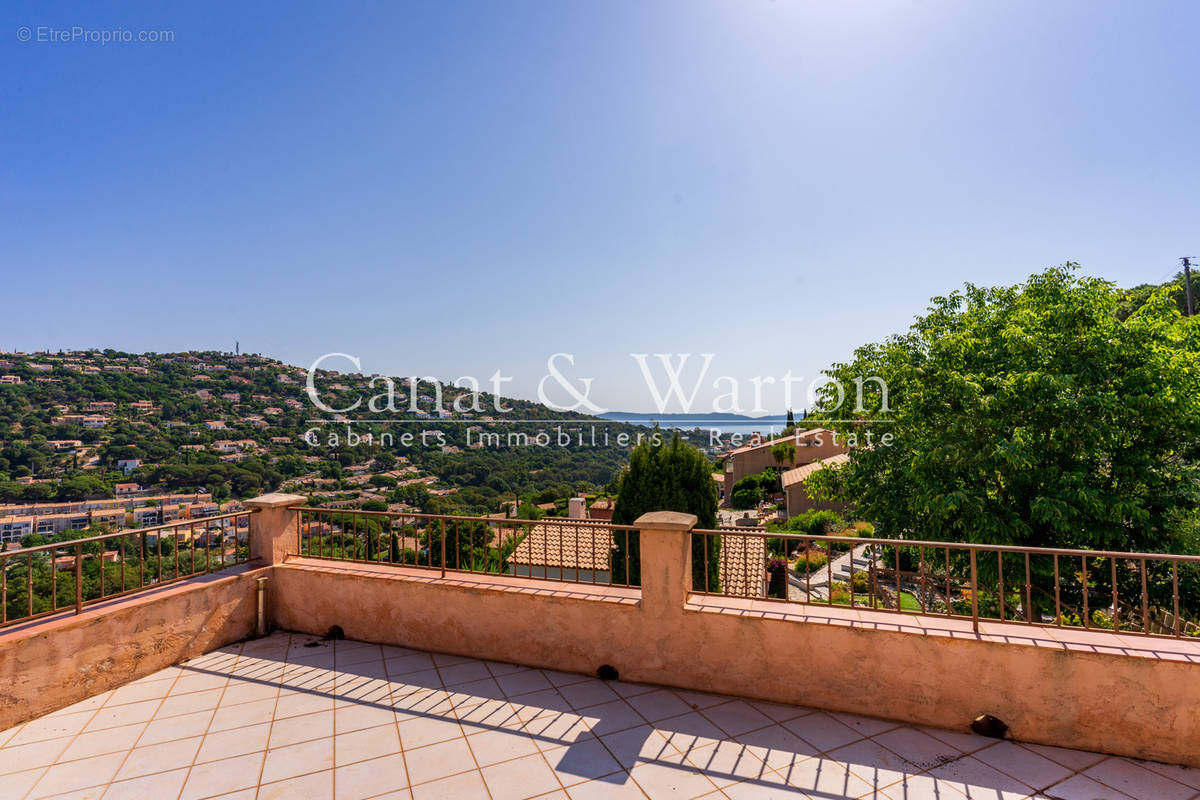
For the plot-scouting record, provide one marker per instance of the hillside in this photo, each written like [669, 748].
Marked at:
[72, 425]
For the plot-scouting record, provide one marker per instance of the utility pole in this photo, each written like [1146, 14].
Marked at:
[1187, 283]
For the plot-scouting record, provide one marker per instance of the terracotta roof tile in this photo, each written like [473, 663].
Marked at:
[573, 545]
[801, 473]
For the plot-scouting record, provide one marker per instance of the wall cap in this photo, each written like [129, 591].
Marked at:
[276, 500]
[666, 521]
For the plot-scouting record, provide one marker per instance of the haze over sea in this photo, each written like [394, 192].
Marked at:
[724, 426]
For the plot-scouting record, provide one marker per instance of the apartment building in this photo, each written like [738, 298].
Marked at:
[126, 503]
[86, 420]
[811, 445]
[796, 493]
[15, 528]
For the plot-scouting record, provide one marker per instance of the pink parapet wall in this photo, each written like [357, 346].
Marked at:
[51, 663]
[1125, 695]
[1120, 694]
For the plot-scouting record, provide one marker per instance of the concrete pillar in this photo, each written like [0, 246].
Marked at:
[274, 530]
[666, 554]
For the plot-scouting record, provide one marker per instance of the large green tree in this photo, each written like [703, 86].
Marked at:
[1029, 415]
[667, 476]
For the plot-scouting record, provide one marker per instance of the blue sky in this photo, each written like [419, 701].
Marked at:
[450, 188]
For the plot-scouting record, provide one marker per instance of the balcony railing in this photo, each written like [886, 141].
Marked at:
[46, 579]
[555, 549]
[1144, 593]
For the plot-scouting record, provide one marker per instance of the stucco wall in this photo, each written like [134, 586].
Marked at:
[1053, 694]
[51, 663]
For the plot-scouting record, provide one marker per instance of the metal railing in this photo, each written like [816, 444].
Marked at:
[73, 574]
[553, 548]
[1088, 589]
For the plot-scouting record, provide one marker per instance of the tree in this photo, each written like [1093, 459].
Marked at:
[1027, 415]
[783, 452]
[754, 489]
[667, 476]
[791, 419]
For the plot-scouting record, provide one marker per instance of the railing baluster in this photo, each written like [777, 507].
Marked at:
[1058, 620]
[949, 603]
[921, 572]
[829, 574]
[807, 571]
[898, 606]
[974, 594]
[871, 580]
[629, 557]
[79, 578]
[1028, 592]
[1087, 614]
[1116, 607]
[1145, 601]
[1000, 579]
[1175, 595]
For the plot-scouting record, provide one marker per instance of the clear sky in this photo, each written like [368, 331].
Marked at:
[453, 188]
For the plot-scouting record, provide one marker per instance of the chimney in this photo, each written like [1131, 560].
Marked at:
[577, 508]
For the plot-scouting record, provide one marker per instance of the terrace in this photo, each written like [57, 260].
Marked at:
[456, 678]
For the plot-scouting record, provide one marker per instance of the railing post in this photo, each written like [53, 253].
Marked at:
[666, 560]
[272, 526]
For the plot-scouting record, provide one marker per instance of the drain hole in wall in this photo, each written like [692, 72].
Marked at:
[607, 672]
[335, 632]
[987, 725]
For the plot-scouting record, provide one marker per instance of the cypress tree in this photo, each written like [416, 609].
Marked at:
[667, 476]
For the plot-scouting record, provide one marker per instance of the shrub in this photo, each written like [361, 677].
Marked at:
[777, 583]
[816, 523]
[745, 497]
[815, 558]
[861, 581]
[840, 594]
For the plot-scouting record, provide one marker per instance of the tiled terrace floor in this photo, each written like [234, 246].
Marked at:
[292, 717]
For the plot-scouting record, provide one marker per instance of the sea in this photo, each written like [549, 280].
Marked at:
[764, 425]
